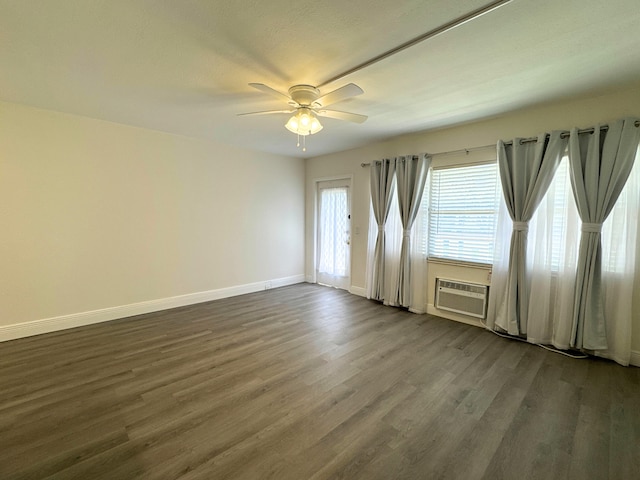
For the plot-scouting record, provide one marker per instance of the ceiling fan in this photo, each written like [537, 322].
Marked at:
[306, 104]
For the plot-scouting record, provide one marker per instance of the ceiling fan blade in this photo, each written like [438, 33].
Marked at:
[349, 117]
[342, 93]
[266, 89]
[267, 112]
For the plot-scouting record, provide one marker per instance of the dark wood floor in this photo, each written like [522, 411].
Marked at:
[308, 382]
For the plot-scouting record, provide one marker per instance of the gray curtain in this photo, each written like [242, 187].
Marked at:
[526, 171]
[411, 176]
[382, 187]
[600, 165]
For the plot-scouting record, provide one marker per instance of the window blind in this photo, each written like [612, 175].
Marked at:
[463, 204]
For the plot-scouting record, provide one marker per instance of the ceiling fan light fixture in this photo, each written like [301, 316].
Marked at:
[306, 103]
[304, 123]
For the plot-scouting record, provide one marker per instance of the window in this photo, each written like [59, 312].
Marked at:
[560, 219]
[563, 224]
[463, 205]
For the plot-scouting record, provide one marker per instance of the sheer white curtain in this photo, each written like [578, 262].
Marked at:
[411, 175]
[619, 247]
[383, 182]
[419, 242]
[392, 245]
[333, 258]
[554, 232]
[601, 161]
[526, 171]
[500, 267]
[554, 235]
[393, 241]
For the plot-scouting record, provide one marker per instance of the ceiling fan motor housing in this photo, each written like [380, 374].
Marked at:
[304, 94]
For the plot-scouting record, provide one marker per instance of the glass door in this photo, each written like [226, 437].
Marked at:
[334, 234]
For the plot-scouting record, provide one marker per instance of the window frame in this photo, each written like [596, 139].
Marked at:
[427, 220]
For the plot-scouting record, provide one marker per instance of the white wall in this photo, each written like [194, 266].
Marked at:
[97, 215]
[562, 115]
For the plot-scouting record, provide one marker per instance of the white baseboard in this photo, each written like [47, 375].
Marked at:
[63, 322]
[361, 292]
[635, 358]
[278, 282]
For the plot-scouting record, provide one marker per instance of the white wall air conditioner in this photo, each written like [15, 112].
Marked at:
[466, 298]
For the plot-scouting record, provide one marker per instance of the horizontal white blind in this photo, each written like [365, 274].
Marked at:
[463, 205]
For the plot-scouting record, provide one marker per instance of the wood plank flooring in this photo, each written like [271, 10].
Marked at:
[308, 382]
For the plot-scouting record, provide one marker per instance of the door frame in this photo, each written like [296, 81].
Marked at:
[316, 183]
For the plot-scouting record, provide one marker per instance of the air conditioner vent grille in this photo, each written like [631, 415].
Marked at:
[461, 297]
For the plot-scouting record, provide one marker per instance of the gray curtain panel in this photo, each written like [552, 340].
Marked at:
[600, 165]
[526, 171]
[382, 187]
[411, 176]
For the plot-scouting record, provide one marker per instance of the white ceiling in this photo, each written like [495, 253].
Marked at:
[183, 66]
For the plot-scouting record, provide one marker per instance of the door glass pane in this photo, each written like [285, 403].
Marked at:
[333, 231]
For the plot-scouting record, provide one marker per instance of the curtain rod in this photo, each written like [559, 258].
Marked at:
[450, 152]
[566, 134]
[524, 140]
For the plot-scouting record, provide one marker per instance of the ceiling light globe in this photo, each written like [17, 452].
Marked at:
[292, 125]
[303, 123]
[316, 126]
